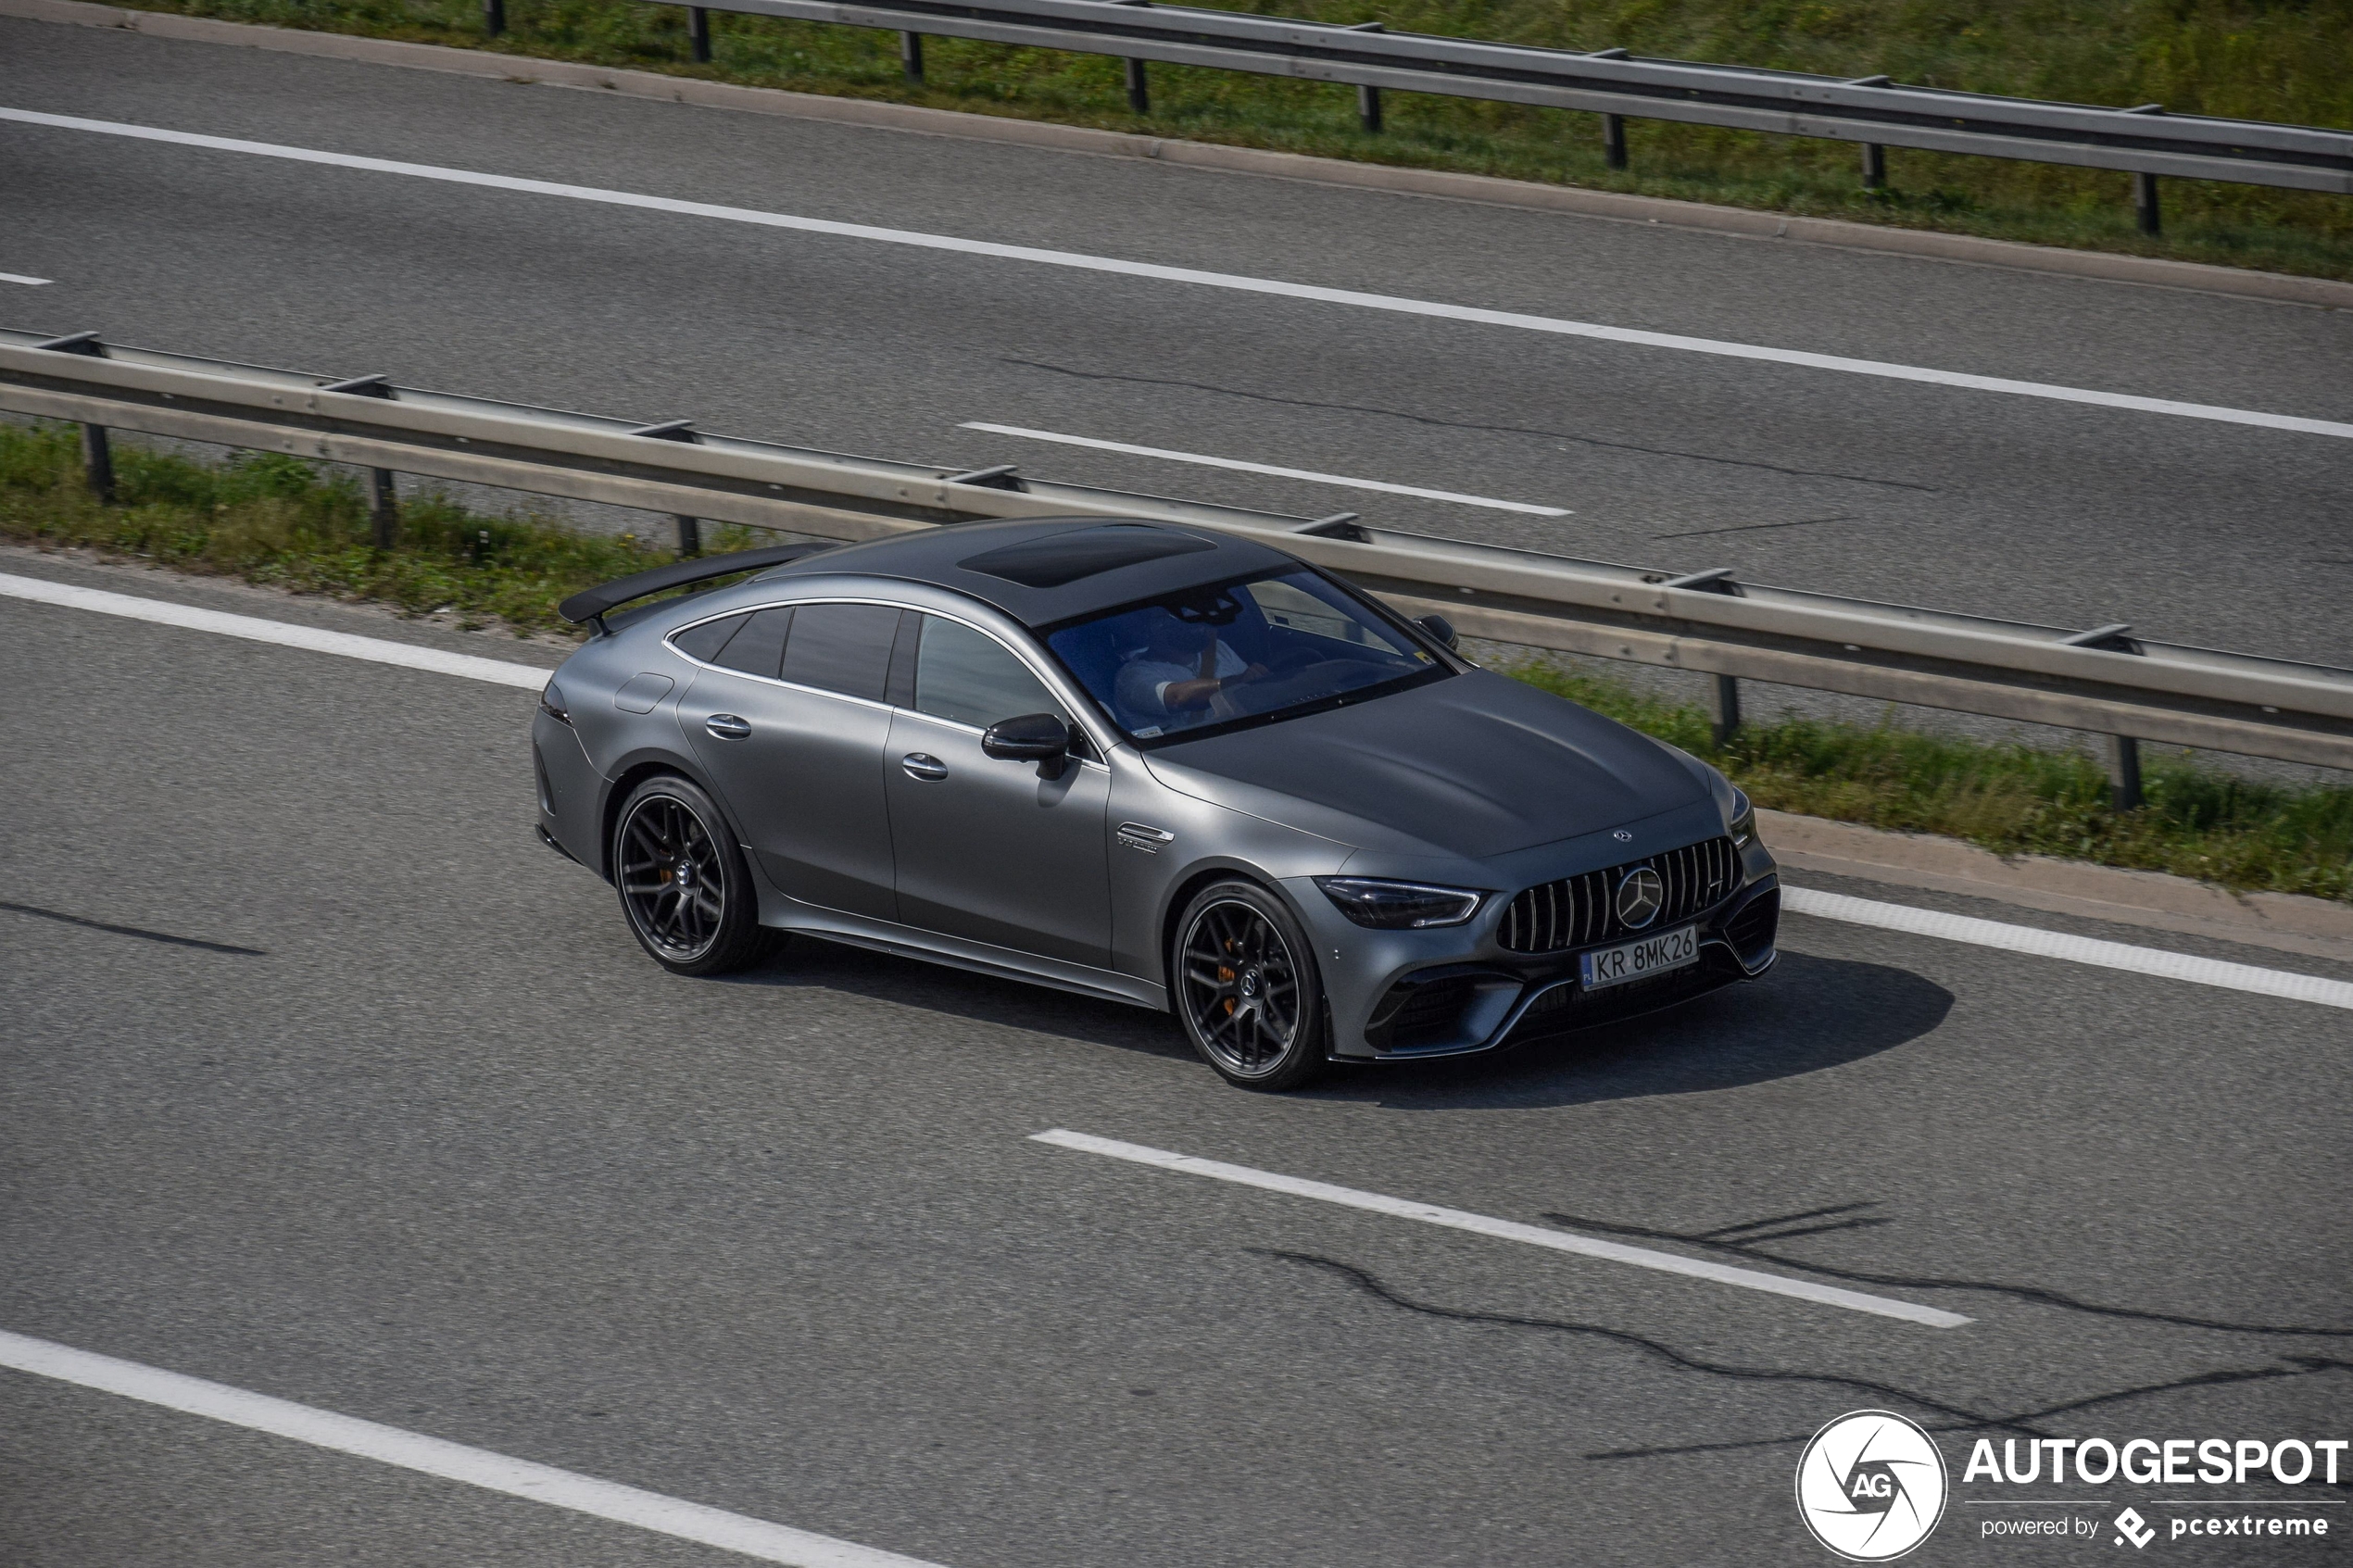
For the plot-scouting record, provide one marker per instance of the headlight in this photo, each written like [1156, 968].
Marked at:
[1400, 906]
[1741, 820]
[552, 703]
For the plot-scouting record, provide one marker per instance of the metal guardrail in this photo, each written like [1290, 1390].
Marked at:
[2103, 679]
[1871, 111]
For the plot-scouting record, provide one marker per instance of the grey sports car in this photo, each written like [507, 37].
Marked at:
[1180, 769]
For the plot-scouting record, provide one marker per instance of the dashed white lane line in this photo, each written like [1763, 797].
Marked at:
[377, 650]
[1798, 901]
[20, 278]
[2073, 949]
[1341, 481]
[1193, 275]
[1505, 1230]
[452, 1461]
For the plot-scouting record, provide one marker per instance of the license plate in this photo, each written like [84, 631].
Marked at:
[1632, 961]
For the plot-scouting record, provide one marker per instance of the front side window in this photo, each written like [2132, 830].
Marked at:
[1237, 653]
[968, 677]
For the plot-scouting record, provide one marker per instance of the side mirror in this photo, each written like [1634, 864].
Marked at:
[1041, 739]
[1443, 629]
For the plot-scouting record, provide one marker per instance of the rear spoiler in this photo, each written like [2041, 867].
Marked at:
[592, 604]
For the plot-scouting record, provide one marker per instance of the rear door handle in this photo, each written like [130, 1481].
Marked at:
[920, 766]
[726, 726]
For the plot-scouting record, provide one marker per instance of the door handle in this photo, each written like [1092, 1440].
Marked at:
[726, 726]
[919, 766]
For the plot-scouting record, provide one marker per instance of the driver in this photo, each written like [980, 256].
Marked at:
[1184, 668]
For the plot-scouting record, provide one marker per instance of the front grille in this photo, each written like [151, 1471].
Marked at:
[1579, 910]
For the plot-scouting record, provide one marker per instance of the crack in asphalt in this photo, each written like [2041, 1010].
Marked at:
[1465, 424]
[1753, 527]
[1955, 1418]
[1731, 1239]
[165, 936]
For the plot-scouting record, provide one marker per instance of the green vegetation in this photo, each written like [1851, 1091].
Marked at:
[2288, 60]
[281, 521]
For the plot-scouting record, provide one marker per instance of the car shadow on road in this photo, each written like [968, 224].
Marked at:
[1809, 1013]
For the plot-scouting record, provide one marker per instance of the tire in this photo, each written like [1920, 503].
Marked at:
[1246, 989]
[684, 888]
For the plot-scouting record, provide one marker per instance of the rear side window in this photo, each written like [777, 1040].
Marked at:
[756, 647]
[704, 642]
[841, 649]
[969, 677]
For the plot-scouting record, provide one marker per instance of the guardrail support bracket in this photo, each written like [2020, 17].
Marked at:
[385, 509]
[97, 462]
[2124, 772]
[1614, 140]
[911, 57]
[698, 35]
[1723, 710]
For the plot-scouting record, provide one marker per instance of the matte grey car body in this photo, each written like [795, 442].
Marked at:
[863, 817]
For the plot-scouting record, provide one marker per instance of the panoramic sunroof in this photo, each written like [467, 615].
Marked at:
[1067, 557]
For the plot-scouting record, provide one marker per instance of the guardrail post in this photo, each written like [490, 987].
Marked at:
[385, 509]
[698, 35]
[689, 536]
[1368, 109]
[2124, 772]
[1874, 167]
[494, 17]
[2144, 211]
[1139, 96]
[97, 462]
[1723, 710]
[1614, 140]
[911, 57]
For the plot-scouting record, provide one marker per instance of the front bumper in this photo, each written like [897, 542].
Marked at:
[1408, 1005]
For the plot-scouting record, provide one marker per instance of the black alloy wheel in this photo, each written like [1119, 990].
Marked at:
[1247, 988]
[683, 881]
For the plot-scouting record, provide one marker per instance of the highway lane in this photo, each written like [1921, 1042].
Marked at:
[444, 1151]
[1966, 499]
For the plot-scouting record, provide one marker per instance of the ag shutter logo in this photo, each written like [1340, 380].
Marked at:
[1870, 1486]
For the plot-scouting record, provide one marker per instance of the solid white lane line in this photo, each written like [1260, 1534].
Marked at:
[1506, 1230]
[1207, 279]
[20, 278]
[2074, 949]
[254, 628]
[1236, 463]
[1797, 900]
[451, 1461]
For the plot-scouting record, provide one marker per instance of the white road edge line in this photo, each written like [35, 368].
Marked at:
[1356, 298]
[1797, 900]
[21, 278]
[2074, 949]
[1505, 1230]
[452, 1461]
[376, 651]
[1236, 463]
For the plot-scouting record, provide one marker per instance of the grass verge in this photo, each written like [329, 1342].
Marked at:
[280, 521]
[2283, 60]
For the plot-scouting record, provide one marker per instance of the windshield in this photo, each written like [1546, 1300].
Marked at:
[1235, 653]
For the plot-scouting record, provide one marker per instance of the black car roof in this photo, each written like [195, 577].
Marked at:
[1040, 570]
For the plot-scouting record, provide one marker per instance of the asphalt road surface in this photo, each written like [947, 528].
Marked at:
[324, 1080]
[1965, 499]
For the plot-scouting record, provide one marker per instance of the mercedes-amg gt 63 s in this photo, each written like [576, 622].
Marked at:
[1181, 769]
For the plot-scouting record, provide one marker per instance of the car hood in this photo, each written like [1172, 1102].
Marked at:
[1476, 766]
